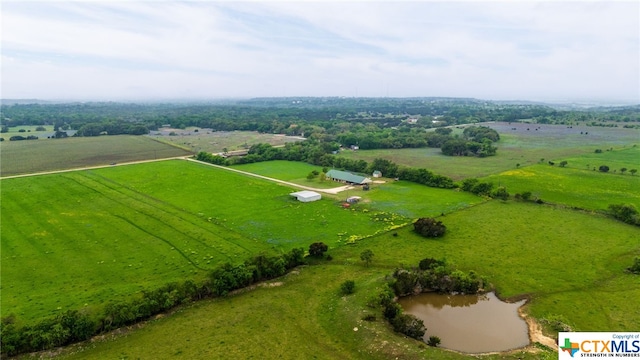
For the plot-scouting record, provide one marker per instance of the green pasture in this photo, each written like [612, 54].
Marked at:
[565, 262]
[31, 156]
[86, 237]
[399, 197]
[570, 186]
[292, 171]
[28, 130]
[413, 200]
[520, 147]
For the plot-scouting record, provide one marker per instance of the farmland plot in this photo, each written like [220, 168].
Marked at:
[82, 238]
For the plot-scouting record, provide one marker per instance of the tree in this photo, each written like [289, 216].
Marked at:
[323, 177]
[347, 287]
[603, 168]
[563, 163]
[311, 176]
[429, 227]
[623, 170]
[367, 256]
[500, 193]
[633, 171]
[318, 249]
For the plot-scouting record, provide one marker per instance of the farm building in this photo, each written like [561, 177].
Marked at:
[377, 174]
[347, 177]
[306, 196]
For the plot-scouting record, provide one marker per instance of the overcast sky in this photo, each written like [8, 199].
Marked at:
[131, 50]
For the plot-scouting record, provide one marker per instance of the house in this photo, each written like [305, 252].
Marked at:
[377, 174]
[306, 196]
[347, 177]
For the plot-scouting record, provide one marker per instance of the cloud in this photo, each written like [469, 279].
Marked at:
[496, 50]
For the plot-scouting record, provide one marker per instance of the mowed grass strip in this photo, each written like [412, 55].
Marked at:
[568, 263]
[31, 156]
[88, 237]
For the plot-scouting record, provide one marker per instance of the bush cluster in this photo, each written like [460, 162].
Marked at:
[435, 275]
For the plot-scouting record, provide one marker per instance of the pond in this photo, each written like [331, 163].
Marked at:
[469, 323]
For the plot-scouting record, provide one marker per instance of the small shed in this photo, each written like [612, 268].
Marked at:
[306, 196]
[377, 174]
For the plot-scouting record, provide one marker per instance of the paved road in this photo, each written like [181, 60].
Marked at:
[326, 191]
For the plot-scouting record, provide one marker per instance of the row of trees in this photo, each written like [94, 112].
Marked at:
[313, 153]
[74, 326]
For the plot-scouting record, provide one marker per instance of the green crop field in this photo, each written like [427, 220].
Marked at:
[30, 156]
[565, 262]
[84, 237]
[523, 147]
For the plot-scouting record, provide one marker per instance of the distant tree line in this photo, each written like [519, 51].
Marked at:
[330, 117]
[74, 326]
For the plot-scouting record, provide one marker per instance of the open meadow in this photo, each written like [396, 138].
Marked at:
[81, 238]
[198, 139]
[30, 156]
[516, 148]
[551, 256]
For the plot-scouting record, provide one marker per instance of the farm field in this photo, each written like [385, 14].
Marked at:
[31, 156]
[585, 189]
[216, 141]
[292, 171]
[549, 142]
[133, 227]
[555, 260]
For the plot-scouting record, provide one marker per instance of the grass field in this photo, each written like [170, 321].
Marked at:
[30, 156]
[216, 141]
[577, 184]
[132, 227]
[566, 262]
[521, 146]
[292, 171]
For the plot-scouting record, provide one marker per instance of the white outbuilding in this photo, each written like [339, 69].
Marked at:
[306, 195]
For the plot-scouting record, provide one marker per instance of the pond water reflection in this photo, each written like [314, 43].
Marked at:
[469, 323]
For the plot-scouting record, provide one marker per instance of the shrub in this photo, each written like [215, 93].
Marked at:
[409, 325]
[318, 249]
[433, 341]
[429, 227]
[625, 212]
[347, 287]
[603, 168]
[635, 268]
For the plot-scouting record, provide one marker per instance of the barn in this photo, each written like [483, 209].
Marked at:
[306, 196]
[347, 177]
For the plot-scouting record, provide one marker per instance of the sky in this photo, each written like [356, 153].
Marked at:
[143, 50]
